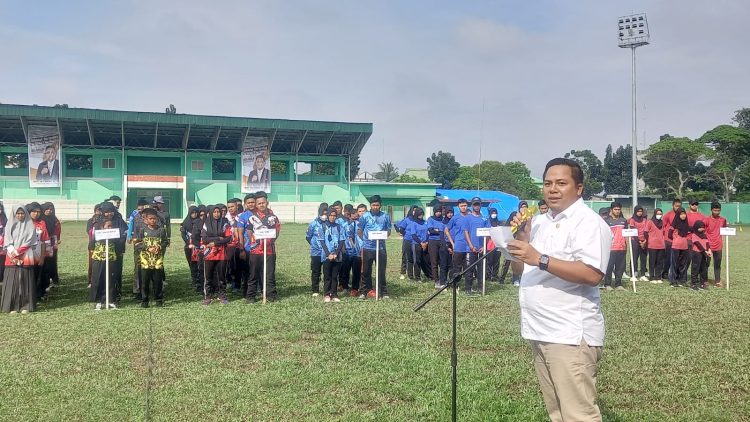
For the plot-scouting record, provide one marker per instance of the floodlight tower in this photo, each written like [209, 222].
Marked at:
[633, 33]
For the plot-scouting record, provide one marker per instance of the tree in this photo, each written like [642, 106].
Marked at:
[407, 178]
[673, 162]
[353, 166]
[618, 177]
[388, 172]
[171, 109]
[443, 168]
[742, 118]
[731, 146]
[513, 178]
[593, 171]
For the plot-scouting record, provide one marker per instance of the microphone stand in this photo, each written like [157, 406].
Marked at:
[454, 354]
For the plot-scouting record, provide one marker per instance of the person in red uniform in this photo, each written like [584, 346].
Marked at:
[215, 236]
[701, 253]
[714, 223]
[616, 264]
[640, 249]
[679, 233]
[263, 219]
[656, 246]
[668, 218]
[35, 213]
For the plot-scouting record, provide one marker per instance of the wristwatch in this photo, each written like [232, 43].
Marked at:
[543, 262]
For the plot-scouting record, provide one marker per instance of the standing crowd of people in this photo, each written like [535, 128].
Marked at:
[667, 247]
[222, 252]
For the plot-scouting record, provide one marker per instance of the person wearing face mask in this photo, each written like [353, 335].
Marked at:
[639, 246]
[493, 261]
[679, 234]
[701, 253]
[655, 241]
[437, 247]
[668, 218]
[313, 237]
[406, 259]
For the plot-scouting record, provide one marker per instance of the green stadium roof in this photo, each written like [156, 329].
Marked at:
[85, 127]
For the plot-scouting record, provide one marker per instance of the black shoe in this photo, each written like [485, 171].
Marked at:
[144, 304]
[695, 287]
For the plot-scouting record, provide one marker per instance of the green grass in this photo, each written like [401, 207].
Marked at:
[670, 355]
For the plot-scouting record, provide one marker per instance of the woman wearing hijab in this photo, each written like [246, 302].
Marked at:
[313, 237]
[639, 246]
[656, 246]
[35, 213]
[493, 261]
[215, 236]
[24, 251]
[54, 228]
[700, 256]
[192, 245]
[679, 234]
[3, 223]
[332, 241]
[406, 248]
[417, 234]
[437, 247]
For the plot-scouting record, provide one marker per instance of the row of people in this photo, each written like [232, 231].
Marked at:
[667, 246]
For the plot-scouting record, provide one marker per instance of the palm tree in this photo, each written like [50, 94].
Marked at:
[388, 172]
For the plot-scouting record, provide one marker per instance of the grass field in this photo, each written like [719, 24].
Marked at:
[670, 354]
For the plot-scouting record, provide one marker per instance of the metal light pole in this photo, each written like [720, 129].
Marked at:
[633, 33]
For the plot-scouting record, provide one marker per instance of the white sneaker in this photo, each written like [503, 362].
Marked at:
[315, 294]
[386, 297]
[335, 299]
[659, 281]
[644, 278]
[24, 311]
[112, 306]
[402, 277]
[516, 284]
[655, 281]
[98, 307]
[327, 299]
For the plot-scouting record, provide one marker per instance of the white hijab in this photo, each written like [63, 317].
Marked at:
[21, 233]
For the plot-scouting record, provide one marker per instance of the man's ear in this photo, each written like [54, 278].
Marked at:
[580, 189]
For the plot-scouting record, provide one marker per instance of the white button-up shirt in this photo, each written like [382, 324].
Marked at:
[554, 310]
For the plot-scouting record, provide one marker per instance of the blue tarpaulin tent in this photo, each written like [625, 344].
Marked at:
[505, 203]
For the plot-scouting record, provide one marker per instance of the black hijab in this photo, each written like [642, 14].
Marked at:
[681, 226]
[214, 226]
[494, 222]
[187, 223]
[635, 214]
[510, 218]
[699, 225]
[658, 222]
[49, 220]
[419, 215]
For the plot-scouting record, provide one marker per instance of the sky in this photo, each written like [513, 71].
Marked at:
[516, 80]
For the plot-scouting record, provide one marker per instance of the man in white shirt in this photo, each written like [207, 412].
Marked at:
[564, 256]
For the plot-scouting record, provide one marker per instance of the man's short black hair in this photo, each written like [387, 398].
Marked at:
[462, 201]
[715, 205]
[541, 202]
[575, 168]
[337, 204]
[375, 198]
[249, 196]
[676, 201]
[615, 204]
[361, 206]
[261, 194]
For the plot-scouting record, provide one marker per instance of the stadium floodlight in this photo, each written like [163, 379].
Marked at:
[632, 33]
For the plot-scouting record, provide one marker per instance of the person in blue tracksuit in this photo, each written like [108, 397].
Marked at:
[475, 243]
[353, 248]
[374, 220]
[437, 247]
[342, 219]
[454, 230]
[416, 232]
[332, 240]
[405, 243]
[314, 230]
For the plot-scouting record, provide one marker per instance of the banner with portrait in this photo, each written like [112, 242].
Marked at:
[44, 156]
[256, 164]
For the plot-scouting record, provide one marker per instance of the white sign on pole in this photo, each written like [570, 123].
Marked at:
[264, 233]
[105, 234]
[728, 231]
[377, 235]
[483, 232]
[629, 232]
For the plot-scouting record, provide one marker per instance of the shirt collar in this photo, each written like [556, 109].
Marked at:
[567, 212]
